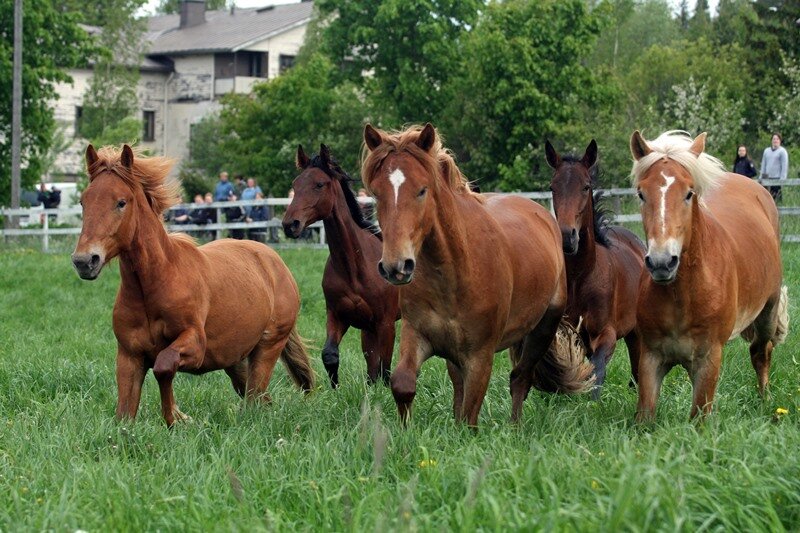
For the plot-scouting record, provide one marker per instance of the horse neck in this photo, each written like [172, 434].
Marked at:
[693, 255]
[146, 259]
[446, 243]
[584, 260]
[342, 233]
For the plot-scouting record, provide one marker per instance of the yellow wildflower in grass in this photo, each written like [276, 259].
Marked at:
[595, 484]
[427, 463]
[781, 411]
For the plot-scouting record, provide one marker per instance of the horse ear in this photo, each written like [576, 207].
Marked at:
[127, 157]
[639, 147]
[372, 137]
[301, 159]
[91, 156]
[590, 155]
[699, 144]
[427, 137]
[553, 159]
[325, 154]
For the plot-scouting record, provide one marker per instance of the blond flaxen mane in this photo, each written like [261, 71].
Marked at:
[438, 162]
[149, 173]
[706, 170]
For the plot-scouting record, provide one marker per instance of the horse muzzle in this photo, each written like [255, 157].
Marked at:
[663, 267]
[292, 228]
[569, 241]
[87, 266]
[399, 273]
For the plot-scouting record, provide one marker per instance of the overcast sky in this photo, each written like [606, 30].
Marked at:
[151, 5]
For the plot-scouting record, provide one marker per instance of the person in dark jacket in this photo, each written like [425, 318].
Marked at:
[235, 214]
[743, 164]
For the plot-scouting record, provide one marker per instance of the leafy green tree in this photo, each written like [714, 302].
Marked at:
[700, 23]
[52, 43]
[524, 80]
[401, 52]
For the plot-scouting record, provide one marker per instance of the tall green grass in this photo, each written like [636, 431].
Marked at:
[339, 460]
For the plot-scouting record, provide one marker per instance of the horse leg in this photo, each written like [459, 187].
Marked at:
[330, 352]
[238, 375]
[602, 350]
[476, 374]
[261, 364]
[704, 372]
[632, 343]
[189, 348]
[386, 334]
[458, 388]
[413, 351]
[761, 346]
[528, 353]
[130, 376]
[369, 345]
[651, 375]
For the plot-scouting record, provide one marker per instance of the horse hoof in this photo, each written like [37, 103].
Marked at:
[180, 416]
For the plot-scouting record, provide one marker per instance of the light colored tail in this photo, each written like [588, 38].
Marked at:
[564, 368]
[295, 358]
[782, 328]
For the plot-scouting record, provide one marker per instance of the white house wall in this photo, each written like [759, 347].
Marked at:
[286, 43]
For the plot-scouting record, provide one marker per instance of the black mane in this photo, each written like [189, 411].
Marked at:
[336, 172]
[600, 213]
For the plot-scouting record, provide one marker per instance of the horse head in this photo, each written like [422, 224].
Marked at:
[314, 194]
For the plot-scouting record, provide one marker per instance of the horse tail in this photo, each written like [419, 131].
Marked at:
[298, 364]
[564, 367]
[782, 329]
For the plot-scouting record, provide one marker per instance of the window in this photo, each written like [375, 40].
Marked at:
[149, 118]
[284, 63]
[78, 120]
[254, 69]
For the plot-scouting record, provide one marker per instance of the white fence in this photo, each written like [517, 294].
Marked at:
[39, 215]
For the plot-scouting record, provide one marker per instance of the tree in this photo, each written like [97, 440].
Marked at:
[524, 79]
[401, 52]
[59, 44]
[700, 23]
[168, 7]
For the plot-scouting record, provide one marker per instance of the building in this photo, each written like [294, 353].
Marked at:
[192, 59]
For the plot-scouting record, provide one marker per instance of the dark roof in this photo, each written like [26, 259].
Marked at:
[224, 30]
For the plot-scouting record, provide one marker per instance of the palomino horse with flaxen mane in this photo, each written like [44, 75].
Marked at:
[355, 294]
[179, 306]
[478, 274]
[604, 263]
[713, 268]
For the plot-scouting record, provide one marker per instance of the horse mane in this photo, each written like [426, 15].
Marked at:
[601, 215]
[345, 180]
[438, 162]
[149, 173]
[706, 170]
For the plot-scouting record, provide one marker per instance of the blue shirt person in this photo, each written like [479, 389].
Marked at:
[249, 193]
[223, 189]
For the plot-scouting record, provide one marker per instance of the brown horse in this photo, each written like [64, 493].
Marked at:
[604, 263]
[713, 268]
[355, 295]
[228, 305]
[478, 273]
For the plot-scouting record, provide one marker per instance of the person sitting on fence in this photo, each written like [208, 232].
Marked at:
[258, 213]
[223, 189]
[239, 185]
[743, 164]
[249, 193]
[179, 215]
[235, 213]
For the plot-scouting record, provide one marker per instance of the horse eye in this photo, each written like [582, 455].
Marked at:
[640, 195]
[320, 185]
[689, 195]
[422, 192]
[121, 204]
[586, 188]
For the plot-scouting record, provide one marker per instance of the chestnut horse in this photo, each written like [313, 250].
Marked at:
[355, 295]
[478, 273]
[604, 263]
[228, 305]
[713, 268]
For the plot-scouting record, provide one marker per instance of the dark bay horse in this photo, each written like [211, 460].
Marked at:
[713, 268]
[477, 273]
[228, 305]
[604, 263]
[355, 294]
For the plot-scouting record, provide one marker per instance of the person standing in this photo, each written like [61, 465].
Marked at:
[223, 189]
[250, 193]
[775, 165]
[743, 164]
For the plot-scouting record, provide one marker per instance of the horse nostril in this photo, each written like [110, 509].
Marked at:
[295, 224]
[381, 270]
[673, 262]
[95, 260]
[408, 266]
[647, 262]
[574, 233]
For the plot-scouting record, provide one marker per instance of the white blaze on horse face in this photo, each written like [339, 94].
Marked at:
[668, 181]
[397, 178]
[671, 246]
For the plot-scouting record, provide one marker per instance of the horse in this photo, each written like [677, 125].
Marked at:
[713, 268]
[604, 263]
[355, 294]
[229, 304]
[477, 273]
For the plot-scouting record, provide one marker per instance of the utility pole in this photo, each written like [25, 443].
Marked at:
[16, 112]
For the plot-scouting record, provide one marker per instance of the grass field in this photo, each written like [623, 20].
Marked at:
[339, 460]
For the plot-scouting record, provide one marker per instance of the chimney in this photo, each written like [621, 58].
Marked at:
[193, 13]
